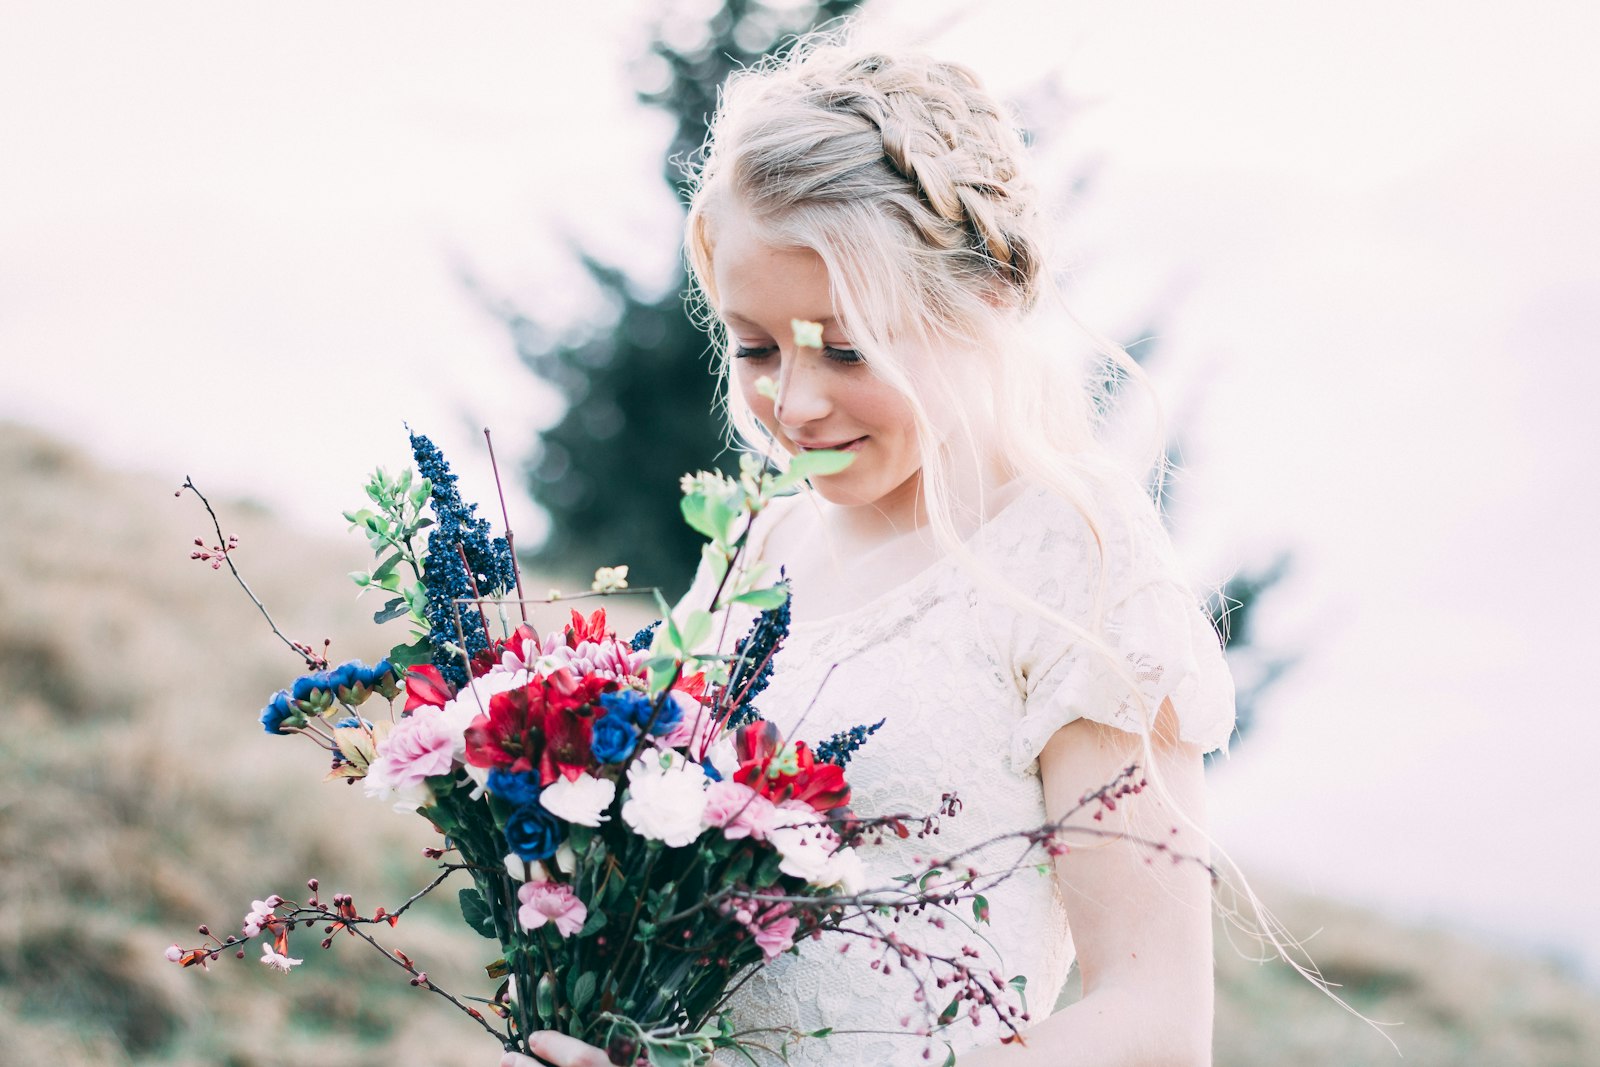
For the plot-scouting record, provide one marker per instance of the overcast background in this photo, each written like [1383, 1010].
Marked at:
[232, 238]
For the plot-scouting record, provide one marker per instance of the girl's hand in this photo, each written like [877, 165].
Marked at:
[558, 1050]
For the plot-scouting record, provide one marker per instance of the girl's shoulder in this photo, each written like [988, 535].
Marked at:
[1105, 522]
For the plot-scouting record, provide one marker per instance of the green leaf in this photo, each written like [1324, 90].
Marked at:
[476, 911]
[810, 464]
[764, 599]
[949, 1056]
[584, 993]
[664, 1055]
[980, 908]
[417, 599]
[403, 656]
[1020, 984]
[950, 1012]
[696, 628]
[696, 508]
[391, 610]
[593, 924]
[361, 578]
[387, 567]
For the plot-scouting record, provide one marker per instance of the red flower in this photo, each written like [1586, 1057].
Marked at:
[783, 772]
[543, 726]
[491, 657]
[591, 629]
[426, 686]
[694, 685]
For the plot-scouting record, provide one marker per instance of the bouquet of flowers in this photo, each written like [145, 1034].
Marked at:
[637, 839]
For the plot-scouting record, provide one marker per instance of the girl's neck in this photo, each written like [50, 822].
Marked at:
[976, 496]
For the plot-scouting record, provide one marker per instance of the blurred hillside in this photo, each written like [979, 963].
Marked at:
[138, 797]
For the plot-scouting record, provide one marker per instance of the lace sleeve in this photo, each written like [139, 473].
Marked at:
[1153, 626]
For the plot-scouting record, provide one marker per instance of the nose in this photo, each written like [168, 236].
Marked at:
[802, 393]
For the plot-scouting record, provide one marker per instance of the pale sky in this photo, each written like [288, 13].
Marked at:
[230, 242]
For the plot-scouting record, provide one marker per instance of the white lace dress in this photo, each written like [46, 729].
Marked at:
[971, 690]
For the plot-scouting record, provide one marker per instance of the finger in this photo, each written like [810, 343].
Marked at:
[563, 1051]
[512, 1059]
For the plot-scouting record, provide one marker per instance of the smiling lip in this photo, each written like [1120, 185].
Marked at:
[844, 446]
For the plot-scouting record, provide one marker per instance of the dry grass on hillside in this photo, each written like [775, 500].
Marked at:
[138, 797]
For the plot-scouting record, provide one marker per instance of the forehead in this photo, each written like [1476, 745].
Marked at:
[759, 281]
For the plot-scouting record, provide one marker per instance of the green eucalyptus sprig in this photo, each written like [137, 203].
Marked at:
[724, 509]
[392, 528]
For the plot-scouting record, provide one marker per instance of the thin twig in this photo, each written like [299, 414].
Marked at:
[505, 516]
[312, 661]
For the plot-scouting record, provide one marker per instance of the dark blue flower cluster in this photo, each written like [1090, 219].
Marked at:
[753, 659]
[312, 694]
[642, 639]
[457, 529]
[838, 749]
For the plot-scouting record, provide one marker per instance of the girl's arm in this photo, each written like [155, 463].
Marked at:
[1141, 923]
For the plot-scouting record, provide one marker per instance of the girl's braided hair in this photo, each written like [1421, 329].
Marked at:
[920, 138]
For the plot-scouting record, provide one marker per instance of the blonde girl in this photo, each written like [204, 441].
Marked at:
[983, 576]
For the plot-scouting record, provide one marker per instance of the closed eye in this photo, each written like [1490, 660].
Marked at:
[845, 356]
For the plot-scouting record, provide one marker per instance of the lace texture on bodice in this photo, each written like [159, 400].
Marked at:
[971, 689]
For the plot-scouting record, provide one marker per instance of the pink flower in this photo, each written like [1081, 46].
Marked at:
[260, 914]
[544, 902]
[693, 725]
[739, 810]
[772, 926]
[421, 745]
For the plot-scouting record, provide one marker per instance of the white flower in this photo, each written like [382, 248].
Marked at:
[581, 801]
[610, 579]
[807, 334]
[723, 756]
[846, 870]
[276, 960]
[809, 849]
[666, 798]
[520, 870]
[566, 858]
[260, 912]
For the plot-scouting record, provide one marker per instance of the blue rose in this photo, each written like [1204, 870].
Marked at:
[533, 833]
[629, 705]
[668, 718]
[613, 739]
[276, 712]
[518, 790]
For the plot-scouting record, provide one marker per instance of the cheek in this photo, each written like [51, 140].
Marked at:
[887, 411]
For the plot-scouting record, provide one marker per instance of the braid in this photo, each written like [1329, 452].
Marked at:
[946, 137]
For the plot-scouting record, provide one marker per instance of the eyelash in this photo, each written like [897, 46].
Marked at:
[845, 356]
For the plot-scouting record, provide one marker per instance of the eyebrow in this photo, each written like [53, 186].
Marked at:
[734, 316]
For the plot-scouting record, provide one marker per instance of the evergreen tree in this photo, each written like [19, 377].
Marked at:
[639, 393]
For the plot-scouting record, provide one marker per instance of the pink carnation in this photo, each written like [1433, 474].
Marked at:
[544, 902]
[739, 810]
[773, 926]
[420, 746]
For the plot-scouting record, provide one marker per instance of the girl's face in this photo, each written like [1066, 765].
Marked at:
[826, 399]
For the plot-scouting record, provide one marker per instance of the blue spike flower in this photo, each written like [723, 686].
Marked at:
[457, 530]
